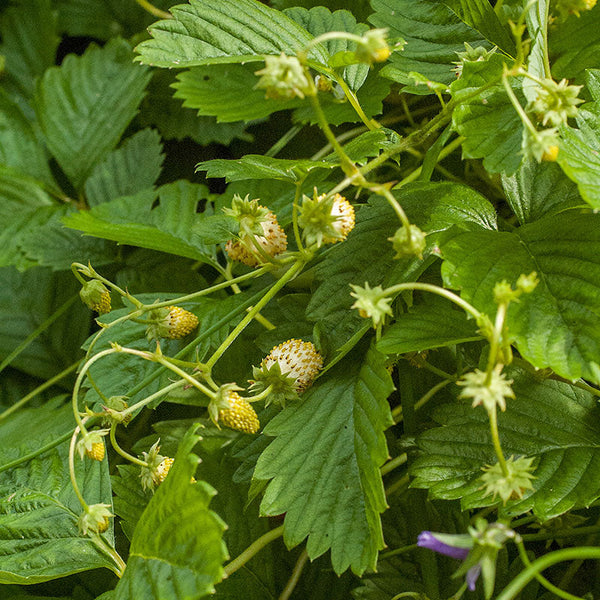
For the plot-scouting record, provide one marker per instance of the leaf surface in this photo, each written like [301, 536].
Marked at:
[324, 464]
[223, 32]
[177, 549]
[39, 538]
[558, 324]
[133, 167]
[549, 420]
[85, 105]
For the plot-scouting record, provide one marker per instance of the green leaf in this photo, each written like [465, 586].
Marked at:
[177, 549]
[133, 167]
[324, 464]
[85, 105]
[39, 538]
[433, 34]
[549, 420]
[575, 46]
[135, 220]
[20, 148]
[488, 120]
[228, 93]
[579, 154]
[226, 31]
[537, 24]
[557, 325]
[480, 15]
[539, 189]
[130, 499]
[257, 166]
[19, 194]
[361, 9]
[216, 229]
[29, 41]
[431, 325]
[160, 109]
[26, 301]
[320, 20]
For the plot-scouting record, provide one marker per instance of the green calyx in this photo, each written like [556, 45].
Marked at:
[316, 220]
[409, 242]
[153, 459]
[556, 102]
[490, 393]
[94, 519]
[510, 485]
[283, 386]
[221, 401]
[283, 78]
[372, 303]
[159, 325]
[249, 213]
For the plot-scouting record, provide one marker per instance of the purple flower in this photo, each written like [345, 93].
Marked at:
[454, 546]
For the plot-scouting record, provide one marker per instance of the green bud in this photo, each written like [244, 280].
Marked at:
[374, 47]
[283, 78]
[470, 54]
[249, 213]
[512, 485]
[372, 303]
[409, 242]
[489, 394]
[556, 102]
[95, 295]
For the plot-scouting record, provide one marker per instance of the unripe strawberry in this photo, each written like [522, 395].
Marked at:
[343, 211]
[163, 470]
[96, 452]
[551, 154]
[273, 242]
[180, 322]
[96, 296]
[240, 415]
[296, 359]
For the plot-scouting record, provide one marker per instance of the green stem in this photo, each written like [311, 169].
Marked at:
[78, 382]
[295, 577]
[161, 14]
[394, 463]
[397, 551]
[493, 417]
[72, 469]
[295, 208]
[428, 287]
[38, 390]
[371, 124]
[565, 533]
[38, 331]
[517, 105]
[260, 396]
[103, 545]
[400, 484]
[284, 140]
[92, 273]
[134, 407]
[492, 362]
[383, 190]
[397, 412]
[252, 550]
[547, 584]
[123, 453]
[278, 285]
[524, 577]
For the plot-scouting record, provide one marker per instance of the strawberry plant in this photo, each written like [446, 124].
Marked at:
[299, 299]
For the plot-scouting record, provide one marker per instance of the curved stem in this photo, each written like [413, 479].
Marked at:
[397, 412]
[352, 98]
[37, 331]
[397, 551]
[113, 440]
[72, 469]
[294, 578]
[161, 14]
[524, 577]
[260, 396]
[134, 407]
[252, 550]
[38, 390]
[547, 584]
[112, 553]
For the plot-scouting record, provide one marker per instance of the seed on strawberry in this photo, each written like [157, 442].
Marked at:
[96, 452]
[345, 218]
[297, 359]
[161, 472]
[272, 242]
[180, 322]
[240, 415]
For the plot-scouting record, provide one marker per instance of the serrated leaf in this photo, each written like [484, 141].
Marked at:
[19, 194]
[228, 93]
[488, 120]
[549, 420]
[433, 34]
[20, 148]
[130, 500]
[557, 325]
[39, 538]
[425, 326]
[539, 189]
[85, 105]
[579, 154]
[29, 41]
[26, 301]
[133, 167]
[570, 60]
[359, 8]
[135, 220]
[320, 20]
[226, 31]
[324, 464]
[51, 244]
[216, 229]
[160, 109]
[537, 26]
[177, 549]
